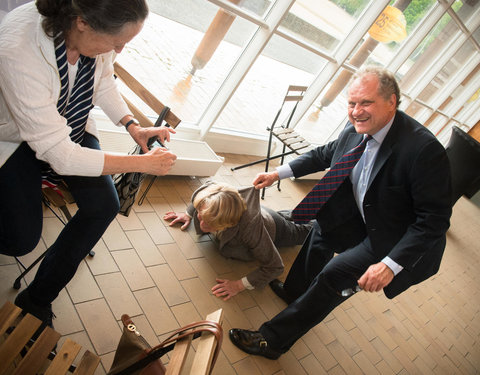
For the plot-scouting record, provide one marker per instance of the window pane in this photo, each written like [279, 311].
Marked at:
[416, 110]
[466, 10]
[471, 107]
[476, 35]
[436, 123]
[255, 103]
[164, 54]
[450, 69]
[390, 31]
[322, 23]
[428, 50]
[327, 116]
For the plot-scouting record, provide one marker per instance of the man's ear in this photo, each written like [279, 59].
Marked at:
[393, 100]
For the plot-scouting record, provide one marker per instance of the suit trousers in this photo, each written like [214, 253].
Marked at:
[315, 281]
[21, 219]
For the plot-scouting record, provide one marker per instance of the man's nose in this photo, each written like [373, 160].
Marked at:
[357, 109]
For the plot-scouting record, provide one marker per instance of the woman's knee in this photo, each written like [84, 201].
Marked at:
[22, 242]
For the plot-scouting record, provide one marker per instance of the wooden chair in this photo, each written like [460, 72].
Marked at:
[19, 354]
[202, 361]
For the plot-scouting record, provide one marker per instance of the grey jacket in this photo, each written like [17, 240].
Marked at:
[251, 239]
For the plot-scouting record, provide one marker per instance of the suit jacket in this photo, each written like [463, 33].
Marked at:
[251, 239]
[407, 205]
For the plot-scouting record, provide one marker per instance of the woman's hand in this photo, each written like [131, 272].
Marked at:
[159, 161]
[227, 288]
[181, 217]
[142, 135]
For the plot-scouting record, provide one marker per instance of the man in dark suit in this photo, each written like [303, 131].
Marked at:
[387, 221]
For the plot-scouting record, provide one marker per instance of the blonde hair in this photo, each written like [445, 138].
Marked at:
[220, 206]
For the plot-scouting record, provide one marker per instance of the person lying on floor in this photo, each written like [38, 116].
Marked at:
[244, 230]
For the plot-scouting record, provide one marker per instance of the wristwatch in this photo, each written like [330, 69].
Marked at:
[132, 121]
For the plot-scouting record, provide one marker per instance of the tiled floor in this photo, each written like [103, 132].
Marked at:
[162, 276]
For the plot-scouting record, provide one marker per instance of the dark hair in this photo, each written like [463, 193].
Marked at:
[387, 83]
[104, 16]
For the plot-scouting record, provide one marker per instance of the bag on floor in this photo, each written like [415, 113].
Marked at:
[135, 356]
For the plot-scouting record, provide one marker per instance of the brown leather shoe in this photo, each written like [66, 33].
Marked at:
[252, 342]
[277, 287]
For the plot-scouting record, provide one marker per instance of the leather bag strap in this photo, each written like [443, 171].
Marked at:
[195, 329]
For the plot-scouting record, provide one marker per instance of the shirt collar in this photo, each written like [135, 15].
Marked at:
[382, 133]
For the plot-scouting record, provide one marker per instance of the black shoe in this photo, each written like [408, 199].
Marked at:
[44, 313]
[277, 287]
[252, 342]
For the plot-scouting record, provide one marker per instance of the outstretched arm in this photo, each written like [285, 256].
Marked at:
[265, 179]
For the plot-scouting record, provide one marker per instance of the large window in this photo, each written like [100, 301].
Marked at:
[224, 66]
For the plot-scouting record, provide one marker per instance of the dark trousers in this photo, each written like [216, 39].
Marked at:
[21, 219]
[287, 233]
[316, 280]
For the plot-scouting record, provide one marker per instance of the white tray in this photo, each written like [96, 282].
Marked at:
[194, 158]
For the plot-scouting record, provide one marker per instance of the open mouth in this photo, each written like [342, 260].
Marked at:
[361, 119]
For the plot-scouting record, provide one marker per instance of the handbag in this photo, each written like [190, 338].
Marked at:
[135, 356]
[128, 184]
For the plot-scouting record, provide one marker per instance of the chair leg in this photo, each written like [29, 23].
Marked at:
[18, 280]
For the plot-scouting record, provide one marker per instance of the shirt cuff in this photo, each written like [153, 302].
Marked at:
[246, 283]
[284, 171]
[394, 266]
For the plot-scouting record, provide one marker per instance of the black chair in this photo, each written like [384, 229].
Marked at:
[291, 140]
[464, 154]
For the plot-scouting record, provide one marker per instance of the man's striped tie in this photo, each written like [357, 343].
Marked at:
[324, 189]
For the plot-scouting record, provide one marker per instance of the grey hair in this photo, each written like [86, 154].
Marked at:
[388, 84]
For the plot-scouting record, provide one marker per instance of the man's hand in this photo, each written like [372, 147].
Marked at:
[227, 288]
[265, 179]
[181, 217]
[376, 277]
[142, 135]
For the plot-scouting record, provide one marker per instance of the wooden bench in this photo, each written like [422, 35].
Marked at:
[19, 354]
[202, 361]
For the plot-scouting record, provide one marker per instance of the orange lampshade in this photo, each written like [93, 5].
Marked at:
[390, 26]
